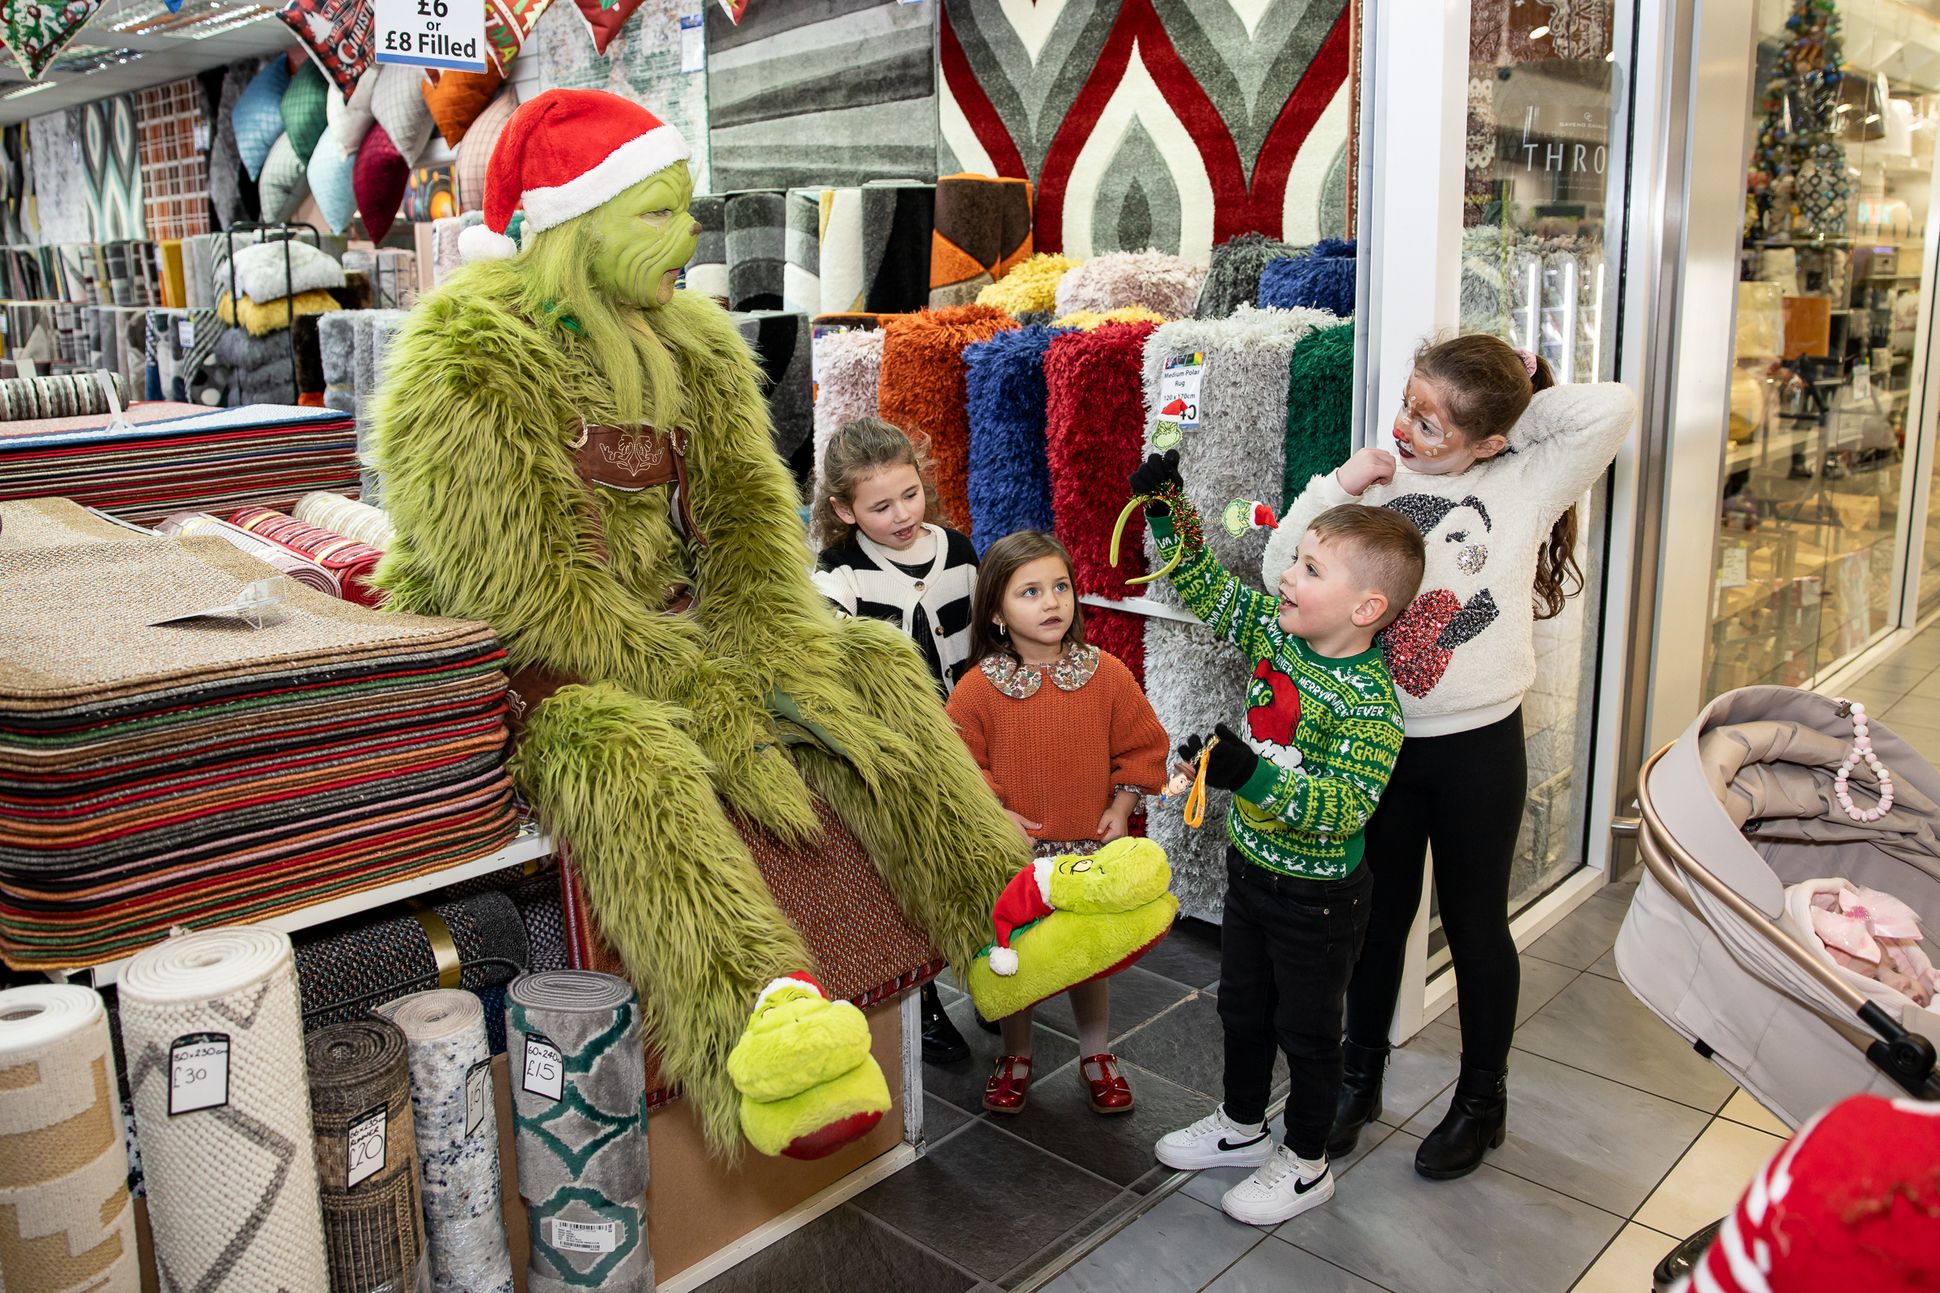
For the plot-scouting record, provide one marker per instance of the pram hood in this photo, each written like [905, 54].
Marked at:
[1747, 792]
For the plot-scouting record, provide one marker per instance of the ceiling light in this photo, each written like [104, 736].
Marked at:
[1539, 33]
[34, 88]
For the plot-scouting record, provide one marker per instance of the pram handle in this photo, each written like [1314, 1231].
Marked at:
[1906, 1057]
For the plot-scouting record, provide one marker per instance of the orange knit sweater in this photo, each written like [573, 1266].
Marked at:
[1057, 756]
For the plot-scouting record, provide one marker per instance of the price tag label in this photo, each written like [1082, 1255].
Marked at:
[585, 1236]
[1862, 381]
[198, 1073]
[1178, 409]
[478, 1096]
[186, 330]
[1734, 567]
[693, 46]
[545, 1069]
[365, 1151]
[432, 33]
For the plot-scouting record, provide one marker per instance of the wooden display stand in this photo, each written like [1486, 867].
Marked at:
[703, 1218]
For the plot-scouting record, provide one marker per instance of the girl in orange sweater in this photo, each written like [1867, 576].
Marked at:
[1069, 743]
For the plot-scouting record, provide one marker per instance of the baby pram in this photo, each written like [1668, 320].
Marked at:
[1736, 809]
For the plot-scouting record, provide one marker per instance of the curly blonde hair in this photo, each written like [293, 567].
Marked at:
[856, 452]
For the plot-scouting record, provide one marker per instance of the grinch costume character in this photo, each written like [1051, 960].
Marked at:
[579, 454]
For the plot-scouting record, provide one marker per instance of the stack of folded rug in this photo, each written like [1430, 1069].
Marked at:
[206, 771]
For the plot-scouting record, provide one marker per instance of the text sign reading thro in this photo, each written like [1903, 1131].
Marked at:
[447, 34]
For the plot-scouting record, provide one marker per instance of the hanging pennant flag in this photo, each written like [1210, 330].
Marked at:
[605, 18]
[735, 10]
[35, 34]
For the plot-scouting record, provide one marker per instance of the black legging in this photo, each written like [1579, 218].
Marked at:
[1462, 793]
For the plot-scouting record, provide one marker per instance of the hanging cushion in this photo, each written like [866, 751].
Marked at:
[379, 180]
[339, 35]
[507, 24]
[282, 185]
[605, 18]
[350, 116]
[402, 111]
[304, 114]
[329, 174]
[457, 98]
[468, 175]
[259, 115]
[36, 34]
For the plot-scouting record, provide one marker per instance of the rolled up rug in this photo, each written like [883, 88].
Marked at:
[350, 561]
[1071, 919]
[214, 1041]
[1030, 288]
[922, 390]
[275, 556]
[706, 273]
[1004, 397]
[1094, 429]
[578, 1099]
[851, 364]
[1320, 407]
[64, 1194]
[1233, 279]
[457, 1138]
[345, 516]
[757, 242]
[1156, 280]
[1089, 319]
[1323, 279]
[801, 275]
[983, 229]
[367, 1156]
[1238, 451]
[467, 942]
[875, 247]
[780, 339]
[337, 338]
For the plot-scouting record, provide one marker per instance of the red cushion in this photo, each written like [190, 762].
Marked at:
[379, 181]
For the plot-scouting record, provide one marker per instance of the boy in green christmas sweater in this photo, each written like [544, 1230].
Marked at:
[1322, 731]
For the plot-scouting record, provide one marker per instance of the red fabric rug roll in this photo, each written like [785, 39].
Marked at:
[921, 389]
[1094, 429]
[350, 561]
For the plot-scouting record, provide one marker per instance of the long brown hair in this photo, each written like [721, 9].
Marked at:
[857, 451]
[1488, 389]
[994, 574]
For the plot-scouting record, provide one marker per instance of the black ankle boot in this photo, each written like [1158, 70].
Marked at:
[942, 1043]
[1472, 1127]
[1362, 1068]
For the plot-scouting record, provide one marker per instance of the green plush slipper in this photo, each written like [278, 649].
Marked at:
[796, 1039]
[822, 1119]
[1067, 948]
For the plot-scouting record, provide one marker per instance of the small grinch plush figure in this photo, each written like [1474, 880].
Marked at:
[579, 454]
[1065, 920]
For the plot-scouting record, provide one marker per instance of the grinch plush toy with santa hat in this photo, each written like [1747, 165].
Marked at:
[579, 454]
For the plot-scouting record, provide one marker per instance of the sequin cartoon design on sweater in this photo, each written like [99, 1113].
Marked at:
[1421, 643]
[1273, 715]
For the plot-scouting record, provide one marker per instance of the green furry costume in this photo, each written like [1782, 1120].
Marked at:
[679, 713]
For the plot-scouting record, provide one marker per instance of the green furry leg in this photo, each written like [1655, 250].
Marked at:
[677, 894]
[932, 827]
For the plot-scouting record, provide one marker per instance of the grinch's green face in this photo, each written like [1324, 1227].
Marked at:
[645, 235]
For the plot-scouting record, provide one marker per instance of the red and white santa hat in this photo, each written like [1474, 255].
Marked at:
[1026, 898]
[562, 154]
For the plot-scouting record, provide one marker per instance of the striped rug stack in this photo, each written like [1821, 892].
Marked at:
[158, 770]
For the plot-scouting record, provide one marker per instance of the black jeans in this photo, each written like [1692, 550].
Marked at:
[1286, 949]
[1462, 793]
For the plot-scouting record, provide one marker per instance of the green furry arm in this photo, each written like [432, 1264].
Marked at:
[471, 429]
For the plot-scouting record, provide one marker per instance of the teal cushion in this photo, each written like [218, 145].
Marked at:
[304, 114]
[258, 119]
[330, 184]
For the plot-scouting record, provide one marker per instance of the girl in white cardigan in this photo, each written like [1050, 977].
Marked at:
[1488, 459]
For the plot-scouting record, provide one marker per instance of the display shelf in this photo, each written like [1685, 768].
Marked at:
[530, 845]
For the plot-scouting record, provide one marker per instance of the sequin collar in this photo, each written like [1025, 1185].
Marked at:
[1069, 672]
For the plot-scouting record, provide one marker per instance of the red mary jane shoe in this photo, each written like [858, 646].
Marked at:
[1009, 1084]
[1109, 1092]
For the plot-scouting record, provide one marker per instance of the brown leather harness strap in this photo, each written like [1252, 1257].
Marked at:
[634, 457]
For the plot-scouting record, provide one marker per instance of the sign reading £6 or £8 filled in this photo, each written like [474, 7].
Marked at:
[447, 34]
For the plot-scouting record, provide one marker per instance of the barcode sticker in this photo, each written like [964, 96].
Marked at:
[585, 1236]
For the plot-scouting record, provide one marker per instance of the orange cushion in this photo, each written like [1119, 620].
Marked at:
[456, 99]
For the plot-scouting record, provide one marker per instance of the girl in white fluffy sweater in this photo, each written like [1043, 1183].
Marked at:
[1489, 457]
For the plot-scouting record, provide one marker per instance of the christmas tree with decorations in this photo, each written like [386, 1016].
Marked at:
[1797, 184]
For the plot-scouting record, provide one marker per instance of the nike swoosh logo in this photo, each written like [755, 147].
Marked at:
[1300, 1187]
[1227, 1146]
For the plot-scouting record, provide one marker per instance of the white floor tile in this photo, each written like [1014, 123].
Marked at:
[1708, 1180]
[1626, 1265]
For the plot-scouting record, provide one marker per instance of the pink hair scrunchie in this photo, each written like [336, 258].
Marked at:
[1528, 358]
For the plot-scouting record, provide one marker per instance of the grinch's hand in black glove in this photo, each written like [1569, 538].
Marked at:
[1155, 473]
[1231, 763]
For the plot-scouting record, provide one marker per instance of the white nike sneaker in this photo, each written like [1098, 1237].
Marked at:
[1283, 1187]
[1214, 1141]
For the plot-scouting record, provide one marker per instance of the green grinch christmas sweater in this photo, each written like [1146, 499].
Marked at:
[1326, 729]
